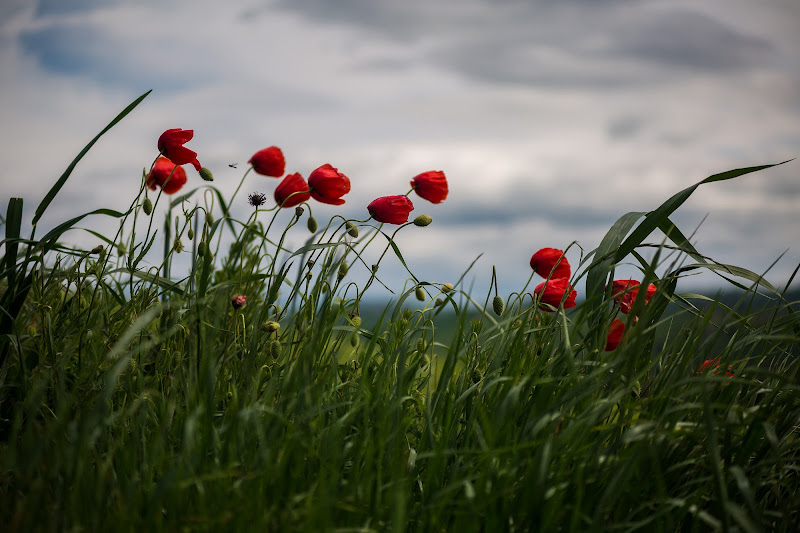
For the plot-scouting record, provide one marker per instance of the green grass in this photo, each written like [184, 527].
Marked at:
[135, 397]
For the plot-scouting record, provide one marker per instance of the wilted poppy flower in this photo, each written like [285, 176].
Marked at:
[328, 185]
[625, 292]
[238, 301]
[543, 261]
[391, 209]
[170, 144]
[431, 186]
[291, 184]
[551, 292]
[160, 175]
[614, 334]
[269, 162]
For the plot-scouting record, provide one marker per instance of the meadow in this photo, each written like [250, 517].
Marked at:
[256, 388]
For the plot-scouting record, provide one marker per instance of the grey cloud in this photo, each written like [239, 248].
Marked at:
[551, 44]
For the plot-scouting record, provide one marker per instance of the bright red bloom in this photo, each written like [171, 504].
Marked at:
[391, 209]
[170, 144]
[624, 293]
[160, 175]
[291, 184]
[615, 333]
[709, 362]
[269, 162]
[543, 261]
[551, 292]
[431, 186]
[328, 185]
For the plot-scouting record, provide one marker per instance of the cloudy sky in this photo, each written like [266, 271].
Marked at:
[550, 118]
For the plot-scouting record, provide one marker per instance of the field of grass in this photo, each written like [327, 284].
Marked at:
[140, 397]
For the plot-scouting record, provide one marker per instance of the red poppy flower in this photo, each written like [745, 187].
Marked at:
[328, 185]
[431, 186]
[293, 190]
[391, 209]
[708, 363]
[615, 333]
[269, 162]
[160, 175]
[624, 293]
[170, 144]
[543, 262]
[551, 292]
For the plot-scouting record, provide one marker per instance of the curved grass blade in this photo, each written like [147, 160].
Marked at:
[63, 179]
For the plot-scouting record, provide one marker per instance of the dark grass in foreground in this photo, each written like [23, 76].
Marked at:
[131, 402]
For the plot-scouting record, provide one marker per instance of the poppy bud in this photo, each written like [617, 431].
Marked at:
[209, 219]
[97, 249]
[312, 224]
[498, 305]
[147, 206]
[420, 294]
[354, 340]
[343, 268]
[298, 211]
[272, 326]
[422, 221]
[206, 174]
[178, 247]
[238, 301]
[356, 321]
[190, 234]
[375, 268]
[352, 230]
[201, 248]
[438, 302]
[275, 348]
[447, 287]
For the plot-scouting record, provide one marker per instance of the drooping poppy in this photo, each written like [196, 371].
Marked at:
[293, 190]
[391, 209]
[615, 332]
[708, 363]
[269, 162]
[431, 186]
[170, 144]
[551, 292]
[624, 293]
[165, 177]
[543, 262]
[328, 185]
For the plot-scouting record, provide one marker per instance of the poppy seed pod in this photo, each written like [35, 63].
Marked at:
[170, 144]
[269, 162]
